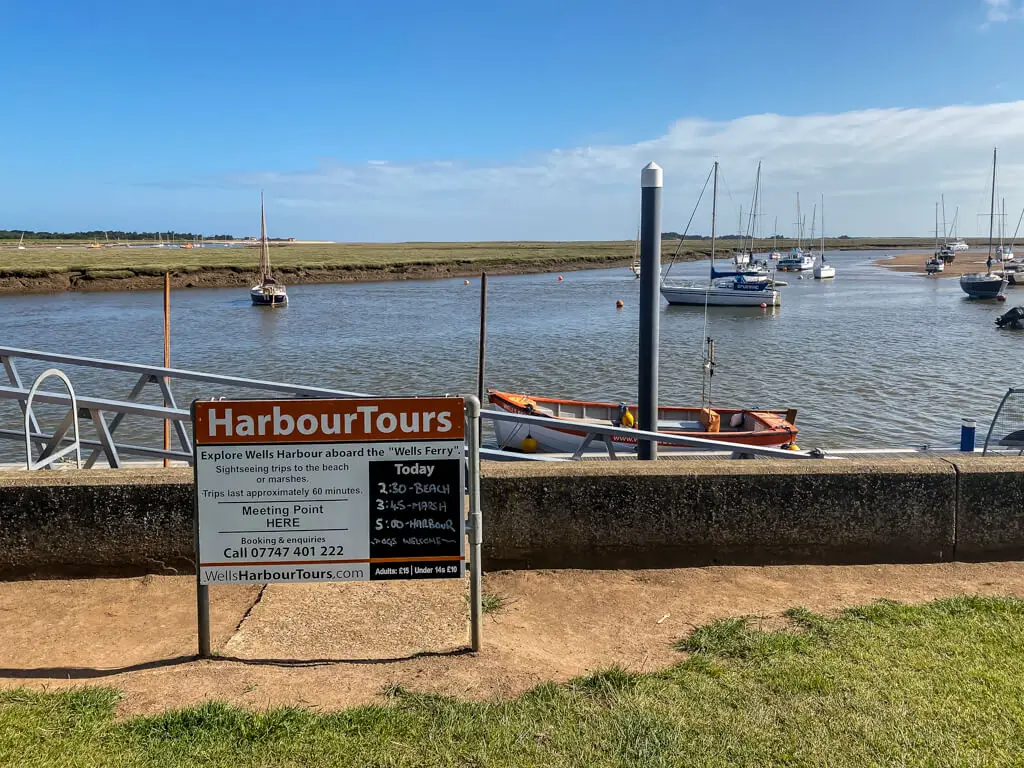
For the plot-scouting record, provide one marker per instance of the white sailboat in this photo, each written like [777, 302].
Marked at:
[267, 292]
[736, 291]
[796, 260]
[21, 243]
[823, 271]
[775, 255]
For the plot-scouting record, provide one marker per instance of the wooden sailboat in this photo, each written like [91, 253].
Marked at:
[267, 292]
[988, 284]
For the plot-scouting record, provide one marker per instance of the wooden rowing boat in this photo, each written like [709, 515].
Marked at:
[769, 428]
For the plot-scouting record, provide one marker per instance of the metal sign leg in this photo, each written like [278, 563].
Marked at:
[475, 526]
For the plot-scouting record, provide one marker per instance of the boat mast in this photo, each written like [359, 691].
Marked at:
[264, 246]
[714, 213]
[1002, 227]
[945, 232]
[822, 229]
[992, 213]
[757, 196]
[936, 229]
[775, 235]
[799, 223]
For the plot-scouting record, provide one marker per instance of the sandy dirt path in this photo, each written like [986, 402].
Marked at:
[335, 645]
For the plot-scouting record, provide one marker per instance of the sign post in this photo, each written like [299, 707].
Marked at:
[334, 490]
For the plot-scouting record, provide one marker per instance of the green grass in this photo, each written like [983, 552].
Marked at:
[353, 257]
[884, 684]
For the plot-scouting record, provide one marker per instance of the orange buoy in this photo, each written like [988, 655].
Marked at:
[763, 305]
[619, 304]
[560, 278]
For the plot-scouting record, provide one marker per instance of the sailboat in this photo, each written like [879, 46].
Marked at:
[796, 260]
[823, 271]
[936, 263]
[21, 243]
[775, 255]
[634, 266]
[736, 291]
[743, 262]
[267, 292]
[988, 284]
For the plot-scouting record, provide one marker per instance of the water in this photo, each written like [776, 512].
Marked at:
[875, 358]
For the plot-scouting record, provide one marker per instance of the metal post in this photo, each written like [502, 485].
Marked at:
[483, 348]
[475, 526]
[202, 590]
[968, 429]
[167, 353]
[650, 274]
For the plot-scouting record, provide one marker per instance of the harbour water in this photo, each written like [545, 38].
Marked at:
[876, 358]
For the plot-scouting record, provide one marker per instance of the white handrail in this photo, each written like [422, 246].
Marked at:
[48, 458]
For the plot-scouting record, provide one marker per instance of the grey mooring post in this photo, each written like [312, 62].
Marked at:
[650, 303]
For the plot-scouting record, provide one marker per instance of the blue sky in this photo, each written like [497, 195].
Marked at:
[526, 120]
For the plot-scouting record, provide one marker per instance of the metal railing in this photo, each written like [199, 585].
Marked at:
[107, 415]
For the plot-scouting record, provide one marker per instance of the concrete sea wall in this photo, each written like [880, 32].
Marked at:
[581, 515]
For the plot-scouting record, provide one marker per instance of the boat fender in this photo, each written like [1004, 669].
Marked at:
[529, 444]
[628, 420]
[736, 420]
[791, 447]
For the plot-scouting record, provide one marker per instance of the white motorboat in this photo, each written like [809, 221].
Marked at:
[797, 260]
[267, 292]
[934, 265]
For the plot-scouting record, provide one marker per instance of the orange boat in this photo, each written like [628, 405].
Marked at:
[732, 425]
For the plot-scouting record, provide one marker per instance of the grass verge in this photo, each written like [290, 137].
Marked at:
[884, 684]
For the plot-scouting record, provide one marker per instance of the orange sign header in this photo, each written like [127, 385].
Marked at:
[221, 422]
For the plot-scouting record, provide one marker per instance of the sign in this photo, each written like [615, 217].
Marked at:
[329, 490]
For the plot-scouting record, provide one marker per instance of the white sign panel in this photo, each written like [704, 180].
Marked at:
[329, 490]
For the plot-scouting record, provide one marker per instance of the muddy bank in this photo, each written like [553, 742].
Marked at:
[127, 280]
[964, 263]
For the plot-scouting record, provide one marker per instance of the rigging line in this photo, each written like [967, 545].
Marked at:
[687, 230]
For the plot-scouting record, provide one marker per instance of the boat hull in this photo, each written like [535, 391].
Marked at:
[263, 298]
[721, 297]
[824, 273]
[759, 428]
[983, 286]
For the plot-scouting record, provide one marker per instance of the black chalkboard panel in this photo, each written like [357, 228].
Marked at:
[416, 519]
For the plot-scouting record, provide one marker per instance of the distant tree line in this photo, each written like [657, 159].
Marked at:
[101, 235]
[677, 236]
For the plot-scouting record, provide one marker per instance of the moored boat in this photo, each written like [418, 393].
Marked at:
[750, 288]
[987, 284]
[768, 428]
[267, 292]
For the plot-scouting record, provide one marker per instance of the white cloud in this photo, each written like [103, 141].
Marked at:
[1003, 10]
[880, 171]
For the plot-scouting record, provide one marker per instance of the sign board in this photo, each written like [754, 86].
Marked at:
[329, 490]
